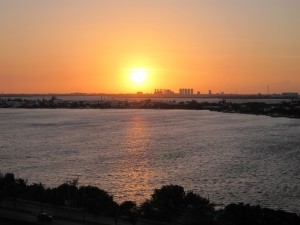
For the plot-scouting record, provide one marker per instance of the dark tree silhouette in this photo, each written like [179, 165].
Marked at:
[241, 214]
[198, 210]
[130, 210]
[96, 200]
[168, 204]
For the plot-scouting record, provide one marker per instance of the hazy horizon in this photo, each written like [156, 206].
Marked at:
[92, 46]
[132, 93]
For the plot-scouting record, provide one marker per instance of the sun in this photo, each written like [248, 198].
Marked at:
[138, 75]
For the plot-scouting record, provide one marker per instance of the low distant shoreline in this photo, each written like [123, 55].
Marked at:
[286, 108]
[283, 96]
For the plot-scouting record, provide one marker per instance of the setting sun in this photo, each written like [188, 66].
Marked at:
[138, 75]
[128, 46]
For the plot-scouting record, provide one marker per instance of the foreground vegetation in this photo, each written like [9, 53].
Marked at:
[170, 204]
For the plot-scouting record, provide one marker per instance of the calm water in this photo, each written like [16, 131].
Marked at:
[226, 157]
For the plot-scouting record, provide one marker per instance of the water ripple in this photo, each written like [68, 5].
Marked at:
[226, 157]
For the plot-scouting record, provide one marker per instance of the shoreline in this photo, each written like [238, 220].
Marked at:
[284, 109]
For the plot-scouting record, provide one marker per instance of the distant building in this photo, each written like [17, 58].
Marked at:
[290, 95]
[274, 95]
[209, 92]
[186, 91]
[163, 91]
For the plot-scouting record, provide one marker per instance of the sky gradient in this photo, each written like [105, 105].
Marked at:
[90, 46]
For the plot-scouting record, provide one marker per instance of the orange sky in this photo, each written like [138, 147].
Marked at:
[89, 46]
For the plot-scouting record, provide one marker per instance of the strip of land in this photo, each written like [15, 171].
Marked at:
[290, 109]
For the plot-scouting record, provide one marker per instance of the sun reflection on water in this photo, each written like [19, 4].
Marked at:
[137, 175]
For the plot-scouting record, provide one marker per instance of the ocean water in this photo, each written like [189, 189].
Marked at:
[225, 157]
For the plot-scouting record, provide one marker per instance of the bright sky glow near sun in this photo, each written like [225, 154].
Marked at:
[119, 46]
[138, 75]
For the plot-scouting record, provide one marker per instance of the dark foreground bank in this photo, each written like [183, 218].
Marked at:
[170, 204]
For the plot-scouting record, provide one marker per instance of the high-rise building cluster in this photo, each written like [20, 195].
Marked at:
[163, 91]
[186, 91]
